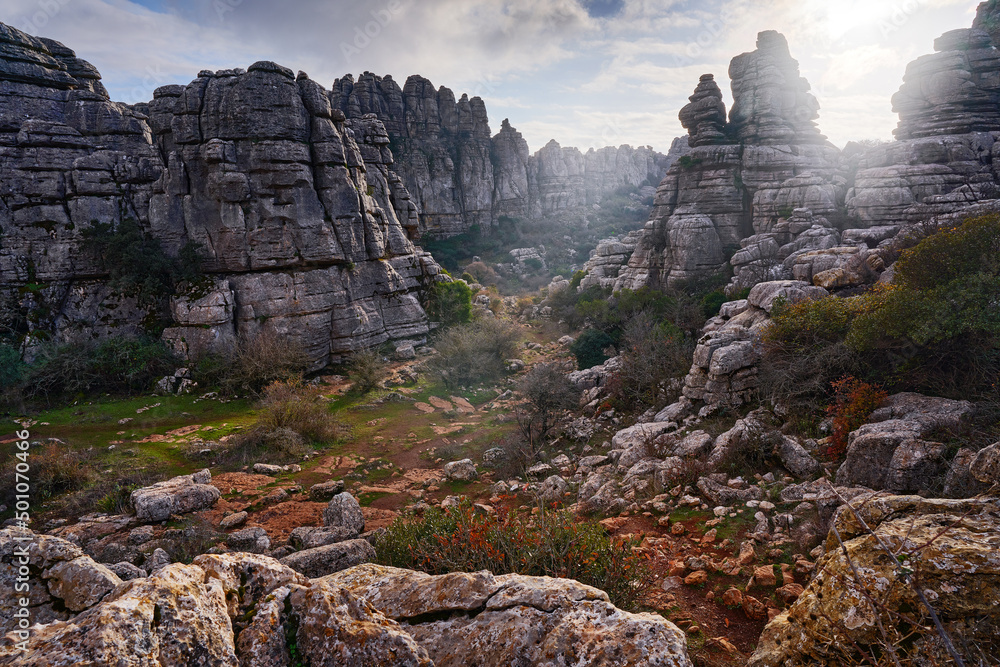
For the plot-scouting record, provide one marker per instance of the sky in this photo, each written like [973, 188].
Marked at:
[587, 73]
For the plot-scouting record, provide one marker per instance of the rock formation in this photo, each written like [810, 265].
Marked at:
[301, 227]
[462, 177]
[766, 193]
[741, 178]
[949, 546]
[247, 609]
[943, 159]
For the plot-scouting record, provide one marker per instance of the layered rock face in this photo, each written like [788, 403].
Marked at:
[302, 228]
[462, 177]
[949, 123]
[247, 609]
[742, 177]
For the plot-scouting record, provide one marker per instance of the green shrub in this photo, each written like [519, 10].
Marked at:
[554, 544]
[475, 352]
[136, 263]
[935, 329]
[450, 303]
[589, 348]
[12, 369]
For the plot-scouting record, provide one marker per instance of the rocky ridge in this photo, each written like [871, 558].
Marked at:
[301, 224]
[460, 176]
[246, 609]
[764, 193]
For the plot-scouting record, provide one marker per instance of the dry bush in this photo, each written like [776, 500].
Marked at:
[367, 369]
[290, 420]
[475, 352]
[254, 362]
[652, 357]
[547, 393]
[55, 469]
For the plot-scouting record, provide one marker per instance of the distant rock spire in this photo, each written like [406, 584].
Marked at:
[705, 117]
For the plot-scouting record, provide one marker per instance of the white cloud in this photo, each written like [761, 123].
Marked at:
[547, 64]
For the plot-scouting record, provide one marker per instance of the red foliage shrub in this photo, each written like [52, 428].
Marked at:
[855, 401]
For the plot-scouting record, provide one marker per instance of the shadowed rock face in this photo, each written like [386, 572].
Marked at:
[302, 225]
[460, 176]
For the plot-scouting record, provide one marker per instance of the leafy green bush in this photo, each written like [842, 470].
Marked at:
[113, 365]
[450, 303]
[589, 348]
[935, 329]
[554, 544]
[475, 352]
[12, 369]
[137, 264]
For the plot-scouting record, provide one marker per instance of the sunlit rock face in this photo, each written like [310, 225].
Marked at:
[461, 177]
[949, 120]
[743, 177]
[302, 226]
[767, 194]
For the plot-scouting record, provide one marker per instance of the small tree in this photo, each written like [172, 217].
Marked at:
[450, 303]
[589, 348]
[547, 392]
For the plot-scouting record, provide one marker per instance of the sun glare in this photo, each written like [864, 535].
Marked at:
[845, 16]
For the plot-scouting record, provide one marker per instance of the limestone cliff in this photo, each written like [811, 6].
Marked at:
[301, 226]
[764, 192]
[462, 177]
[741, 177]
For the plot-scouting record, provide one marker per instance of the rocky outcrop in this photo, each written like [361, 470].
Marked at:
[63, 580]
[246, 609]
[894, 451]
[514, 619]
[765, 193]
[179, 495]
[461, 177]
[744, 177]
[946, 547]
[301, 227]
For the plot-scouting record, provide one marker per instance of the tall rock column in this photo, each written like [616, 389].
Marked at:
[742, 180]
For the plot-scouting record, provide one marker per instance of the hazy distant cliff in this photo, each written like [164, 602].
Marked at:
[460, 176]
